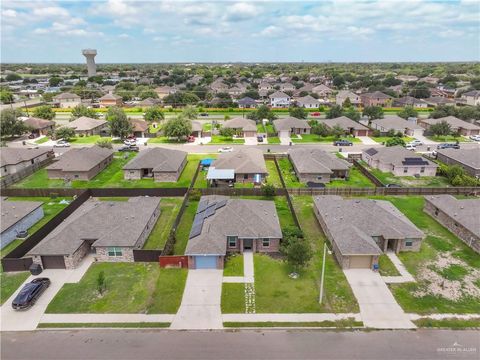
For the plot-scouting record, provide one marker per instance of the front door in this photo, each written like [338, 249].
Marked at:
[247, 244]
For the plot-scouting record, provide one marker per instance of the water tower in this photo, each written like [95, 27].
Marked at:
[90, 55]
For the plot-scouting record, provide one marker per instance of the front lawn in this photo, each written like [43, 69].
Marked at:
[87, 139]
[383, 139]
[233, 265]
[355, 179]
[288, 173]
[273, 176]
[451, 323]
[42, 140]
[218, 139]
[137, 288]
[386, 267]
[10, 283]
[169, 208]
[409, 181]
[272, 140]
[448, 138]
[183, 230]
[165, 140]
[313, 138]
[233, 298]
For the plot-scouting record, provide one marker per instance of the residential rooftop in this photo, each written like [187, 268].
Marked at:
[243, 161]
[158, 159]
[309, 160]
[14, 211]
[13, 156]
[81, 159]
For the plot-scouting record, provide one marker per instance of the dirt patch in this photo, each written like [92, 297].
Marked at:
[438, 285]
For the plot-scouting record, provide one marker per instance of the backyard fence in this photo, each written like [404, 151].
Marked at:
[287, 195]
[10, 179]
[379, 191]
[141, 255]
[174, 261]
[367, 173]
[47, 192]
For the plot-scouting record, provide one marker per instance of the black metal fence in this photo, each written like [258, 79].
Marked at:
[47, 192]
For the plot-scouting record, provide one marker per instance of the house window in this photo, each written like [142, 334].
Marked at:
[245, 176]
[436, 211]
[408, 243]
[114, 251]
[232, 241]
[75, 176]
[422, 169]
[33, 162]
[266, 242]
[405, 170]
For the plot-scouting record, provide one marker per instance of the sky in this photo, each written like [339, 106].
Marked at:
[240, 31]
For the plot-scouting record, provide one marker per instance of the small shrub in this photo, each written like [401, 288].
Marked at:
[195, 195]
[268, 190]
[101, 283]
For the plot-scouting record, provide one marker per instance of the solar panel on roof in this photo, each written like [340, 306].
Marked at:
[198, 218]
[220, 204]
[371, 151]
[202, 205]
[414, 161]
[196, 230]
[210, 211]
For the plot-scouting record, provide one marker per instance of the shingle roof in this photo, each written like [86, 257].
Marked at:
[475, 93]
[409, 100]
[376, 95]
[37, 123]
[278, 94]
[67, 95]
[312, 161]
[158, 159]
[345, 123]
[243, 161]
[239, 217]
[454, 123]
[396, 123]
[14, 211]
[469, 157]
[85, 123]
[353, 222]
[12, 156]
[289, 123]
[81, 159]
[307, 100]
[110, 96]
[139, 125]
[197, 126]
[107, 223]
[396, 155]
[246, 101]
[241, 123]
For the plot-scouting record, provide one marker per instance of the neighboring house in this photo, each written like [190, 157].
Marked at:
[376, 98]
[223, 225]
[243, 166]
[462, 127]
[110, 100]
[287, 87]
[149, 102]
[139, 127]
[317, 166]
[460, 216]
[279, 100]
[80, 163]
[399, 161]
[308, 102]
[88, 126]
[345, 94]
[435, 101]
[161, 164]
[322, 91]
[17, 216]
[410, 101]
[14, 160]
[110, 229]
[163, 91]
[397, 124]
[39, 126]
[197, 129]
[350, 126]
[246, 103]
[468, 159]
[286, 127]
[67, 100]
[242, 126]
[360, 230]
[472, 97]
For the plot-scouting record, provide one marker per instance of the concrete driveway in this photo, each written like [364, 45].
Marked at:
[200, 308]
[378, 307]
[251, 140]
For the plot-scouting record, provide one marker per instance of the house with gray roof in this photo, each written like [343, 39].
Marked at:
[307, 102]
[460, 216]
[80, 163]
[67, 100]
[244, 166]
[360, 230]
[343, 95]
[399, 161]
[39, 126]
[410, 101]
[397, 124]
[159, 164]
[13, 160]
[376, 98]
[224, 225]
[246, 103]
[279, 99]
[313, 165]
[468, 159]
[17, 216]
[462, 127]
[350, 126]
[288, 126]
[87, 126]
[110, 229]
[472, 97]
[242, 126]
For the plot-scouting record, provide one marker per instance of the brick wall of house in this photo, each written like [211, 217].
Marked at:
[102, 255]
[12, 169]
[414, 170]
[72, 261]
[447, 160]
[316, 178]
[79, 175]
[415, 246]
[132, 174]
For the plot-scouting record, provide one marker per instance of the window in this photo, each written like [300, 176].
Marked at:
[75, 176]
[405, 170]
[422, 169]
[245, 176]
[408, 243]
[319, 178]
[232, 241]
[114, 251]
[266, 242]
[436, 211]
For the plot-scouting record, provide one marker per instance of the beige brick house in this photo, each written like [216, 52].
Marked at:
[242, 127]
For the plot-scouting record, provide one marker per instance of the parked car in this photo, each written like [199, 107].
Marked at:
[32, 136]
[191, 138]
[62, 143]
[129, 142]
[204, 114]
[448, 146]
[410, 147]
[129, 148]
[30, 293]
[415, 142]
[393, 186]
[475, 137]
[225, 149]
[134, 148]
[342, 143]
[260, 138]
[315, 114]
[22, 234]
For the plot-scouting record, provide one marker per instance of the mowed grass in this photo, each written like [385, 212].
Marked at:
[169, 208]
[183, 230]
[288, 173]
[87, 139]
[386, 267]
[233, 298]
[137, 288]
[409, 181]
[10, 283]
[273, 176]
[217, 139]
[233, 265]
[272, 140]
[382, 139]
[355, 179]
[312, 138]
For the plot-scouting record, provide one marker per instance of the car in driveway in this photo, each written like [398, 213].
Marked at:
[259, 138]
[393, 186]
[130, 142]
[62, 143]
[129, 148]
[315, 113]
[410, 147]
[415, 142]
[225, 149]
[448, 146]
[342, 143]
[30, 293]
[475, 137]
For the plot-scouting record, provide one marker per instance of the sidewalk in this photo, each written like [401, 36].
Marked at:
[106, 318]
[405, 276]
[313, 317]
[367, 140]
[248, 271]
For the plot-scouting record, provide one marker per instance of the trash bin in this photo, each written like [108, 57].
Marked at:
[24, 142]
[35, 269]
[375, 267]
[339, 149]
[428, 148]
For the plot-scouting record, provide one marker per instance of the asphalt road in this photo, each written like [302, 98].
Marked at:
[252, 345]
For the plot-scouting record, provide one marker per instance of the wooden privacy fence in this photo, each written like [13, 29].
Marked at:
[287, 195]
[174, 261]
[385, 191]
[141, 255]
[239, 191]
[47, 192]
[23, 173]
[367, 173]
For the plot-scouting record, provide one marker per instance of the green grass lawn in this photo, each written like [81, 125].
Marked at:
[233, 298]
[272, 140]
[284, 214]
[409, 181]
[169, 208]
[131, 288]
[233, 265]
[453, 323]
[438, 241]
[183, 230]
[273, 176]
[87, 139]
[164, 140]
[217, 139]
[207, 126]
[356, 179]
[154, 130]
[382, 139]
[449, 138]
[10, 283]
[347, 323]
[42, 140]
[386, 267]
[260, 128]
[289, 176]
[312, 138]
[102, 325]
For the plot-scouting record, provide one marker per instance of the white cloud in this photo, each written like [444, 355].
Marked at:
[241, 11]
[124, 36]
[50, 12]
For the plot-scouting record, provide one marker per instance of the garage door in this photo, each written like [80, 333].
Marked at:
[53, 262]
[205, 262]
[360, 262]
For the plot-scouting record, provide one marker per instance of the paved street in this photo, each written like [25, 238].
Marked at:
[157, 344]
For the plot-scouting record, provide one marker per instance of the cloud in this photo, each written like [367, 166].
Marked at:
[50, 12]
[124, 36]
[241, 11]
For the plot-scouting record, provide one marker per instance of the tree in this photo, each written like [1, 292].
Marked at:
[334, 112]
[226, 132]
[44, 112]
[55, 81]
[298, 253]
[442, 128]
[420, 92]
[101, 283]
[337, 131]
[373, 112]
[190, 112]
[82, 110]
[268, 190]
[65, 133]
[178, 127]
[321, 129]
[6, 96]
[13, 77]
[118, 122]
[105, 143]
[298, 112]
[154, 114]
[263, 112]
[347, 103]
[10, 125]
[352, 113]
[394, 141]
[408, 111]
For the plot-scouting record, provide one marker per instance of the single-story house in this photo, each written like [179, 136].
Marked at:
[163, 91]
[376, 98]
[223, 225]
[149, 102]
[343, 95]
[462, 127]
[161, 164]
[80, 163]
[87, 126]
[410, 101]
[67, 100]
[472, 97]
[350, 126]
[12, 160]
[398, 124]
[242, 126]
[468, 159]
[139, 127]
[317, 166]
[243, 166]
[438, 100]
[110, 99]
[246, 103]
[39, 126]
[360, 230]
[323, 91]
[308, 102]
[110, 229]
[279, 100]
[286, 127]
[197, 129]
[460, 216]
[399, 161]
[17, 216]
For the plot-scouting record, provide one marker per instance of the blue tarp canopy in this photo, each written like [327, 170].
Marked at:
[257, 178]
[206, 162]
[220, 174]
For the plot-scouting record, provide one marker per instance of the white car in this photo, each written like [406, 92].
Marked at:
[475, 137]
[62, 143]
[410, 147]
[225, 149]
[130, 142]
[415, 142]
